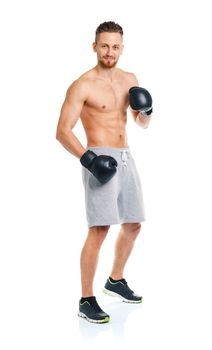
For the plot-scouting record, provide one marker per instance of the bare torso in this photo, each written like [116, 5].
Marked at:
[104, 113]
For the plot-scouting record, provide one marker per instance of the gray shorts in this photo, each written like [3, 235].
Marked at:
[118, 201]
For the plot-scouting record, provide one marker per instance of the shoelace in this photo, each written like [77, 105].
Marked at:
[128, 288]
[95, 306]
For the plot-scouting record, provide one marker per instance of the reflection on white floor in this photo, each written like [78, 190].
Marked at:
[114, 331]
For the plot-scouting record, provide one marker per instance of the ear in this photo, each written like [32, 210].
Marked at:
[94, 46]
[122, 48]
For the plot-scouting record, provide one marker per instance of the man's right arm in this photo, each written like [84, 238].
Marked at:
[70, 112]
[103, 167]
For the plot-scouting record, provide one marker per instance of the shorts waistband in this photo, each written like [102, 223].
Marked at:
[110, 149]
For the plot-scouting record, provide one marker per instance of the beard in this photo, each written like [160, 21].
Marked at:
[107, 62]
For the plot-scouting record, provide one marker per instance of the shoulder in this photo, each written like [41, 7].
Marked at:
[79, 87]
[129, 77]
[84, 81]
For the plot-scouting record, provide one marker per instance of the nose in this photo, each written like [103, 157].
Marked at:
[109, 51]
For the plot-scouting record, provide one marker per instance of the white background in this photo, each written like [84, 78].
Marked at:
[45, 45]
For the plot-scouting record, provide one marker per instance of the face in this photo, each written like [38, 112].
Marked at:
[108, 48]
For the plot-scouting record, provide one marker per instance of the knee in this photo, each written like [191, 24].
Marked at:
[99, 233]
[135, 229]
[132, 230]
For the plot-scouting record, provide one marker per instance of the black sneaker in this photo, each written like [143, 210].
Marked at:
[92, 312]
[120, 289]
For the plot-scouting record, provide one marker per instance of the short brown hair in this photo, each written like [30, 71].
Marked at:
[108, 27]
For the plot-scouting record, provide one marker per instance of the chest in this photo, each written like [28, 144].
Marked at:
[107, 97]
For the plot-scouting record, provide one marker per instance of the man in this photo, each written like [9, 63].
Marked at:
[113, 195]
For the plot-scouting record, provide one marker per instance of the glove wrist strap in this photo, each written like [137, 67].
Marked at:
[87, 158]
[147, 112]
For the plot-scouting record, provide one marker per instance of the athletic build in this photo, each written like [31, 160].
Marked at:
[100, 98]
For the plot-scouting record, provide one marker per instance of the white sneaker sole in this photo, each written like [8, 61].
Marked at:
[82, 315]
[113, 294]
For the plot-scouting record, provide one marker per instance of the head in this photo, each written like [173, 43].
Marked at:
[108, 44]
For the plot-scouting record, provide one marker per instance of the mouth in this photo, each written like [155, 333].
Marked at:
[108, 58]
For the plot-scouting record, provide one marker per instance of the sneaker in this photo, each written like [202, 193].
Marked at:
[92, 312]
[120, 289]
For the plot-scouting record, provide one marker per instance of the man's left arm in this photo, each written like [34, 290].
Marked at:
[140, 102]
[140, 119]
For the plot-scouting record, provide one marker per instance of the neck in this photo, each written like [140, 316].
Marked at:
[105, 72]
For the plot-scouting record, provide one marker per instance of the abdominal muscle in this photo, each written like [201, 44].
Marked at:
[106, 139]
[105, 130]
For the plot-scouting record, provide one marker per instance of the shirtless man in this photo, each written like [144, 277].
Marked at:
[113, 195]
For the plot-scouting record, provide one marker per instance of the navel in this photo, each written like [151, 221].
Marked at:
[103, 107]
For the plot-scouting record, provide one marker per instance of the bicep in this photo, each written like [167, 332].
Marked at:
[72, 107]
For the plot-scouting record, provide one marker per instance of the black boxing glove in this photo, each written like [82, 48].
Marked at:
[102, 167]
[140, 100]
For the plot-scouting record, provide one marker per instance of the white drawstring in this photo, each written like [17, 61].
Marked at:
[124, 157]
